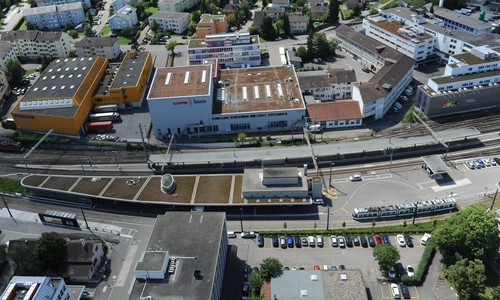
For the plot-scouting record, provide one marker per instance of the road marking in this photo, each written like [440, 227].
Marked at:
[127, 264]
[104, 288]
[344, 210]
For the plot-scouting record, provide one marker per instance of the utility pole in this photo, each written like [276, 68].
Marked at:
[494, 198]
[390, 164]
[144, 144]
[328, 218]
[6, 206]
[330, 181]
[241, 218]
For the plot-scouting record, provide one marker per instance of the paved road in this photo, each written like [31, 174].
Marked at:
[13, 17]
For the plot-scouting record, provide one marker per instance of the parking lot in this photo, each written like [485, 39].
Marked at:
[355, 257]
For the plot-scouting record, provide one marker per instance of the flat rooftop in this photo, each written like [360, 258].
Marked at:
[470, 21]
[181, 82]
[436, 164]
[130, 69]
[258, 89]
[194, 239]
[452, 79]
[471, 59]
[152, 261]
[301, 284]
[395, 27]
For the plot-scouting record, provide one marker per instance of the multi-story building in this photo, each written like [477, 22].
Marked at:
[204, 100]
[40, 3]
[7, 53]
[98, 46]
[36, 287]
[55, 16]
[409, 40]
[279, 3]
[211, 24]
[274, 12]
[33, 44]
[177, 5]
[458, 21]
[82, 260]
[176, 22]
[394, 72]
[117, 4]
[327, 85]
[234, 50]
[319, 12]
[486, 5]
[4, 87]
[335, 114]
[298, 23]
[123, 18]
[470, 82]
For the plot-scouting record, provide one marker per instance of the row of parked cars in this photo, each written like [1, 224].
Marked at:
[400, 290]
[483, 163]
[398, 104]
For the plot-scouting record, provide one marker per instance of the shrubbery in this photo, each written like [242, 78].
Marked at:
[423, 266]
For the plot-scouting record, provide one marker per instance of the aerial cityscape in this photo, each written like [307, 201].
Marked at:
[249, 149]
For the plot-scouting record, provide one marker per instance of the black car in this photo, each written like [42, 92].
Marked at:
[260, 241]
[497, 160]
[408, 240]
[400, 269]
[371, 241]
[298, 244]
[385, 238]
[348, 240]
[364, 242]
[341, 267]
[405, 291]
[275, 241]
[355, 240]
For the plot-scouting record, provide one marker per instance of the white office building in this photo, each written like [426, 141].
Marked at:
[176, 22]
[55, 16]
[232, 50]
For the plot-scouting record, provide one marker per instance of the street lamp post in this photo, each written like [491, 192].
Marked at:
[330, 181]
[390, 164]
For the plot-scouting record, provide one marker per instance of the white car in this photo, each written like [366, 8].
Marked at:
[410, 270]
[401, 240]
[404, 98]
[395, 291]
[248, 235]
[425, 238]
[355, 178]
[493, 162]
[334, 241]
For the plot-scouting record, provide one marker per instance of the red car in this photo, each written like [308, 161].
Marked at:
[316, 267]
[378, 239]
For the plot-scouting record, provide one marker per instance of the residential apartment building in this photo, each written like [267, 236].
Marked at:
[117, 4]
[394, 72]
[211, 24]
[40, 3]
[4, 87]
[55, 16]
[409, 40]
[275, 12]
[232, 50]
[319, 12]
[101, 46]
[470, 82]
[279, 3]
[327, 85]
[124, 17]
[7, 53]
[34, 44]
[36, 287]
[176, 22]
[177, 5]
[82, 260]
[298, 23]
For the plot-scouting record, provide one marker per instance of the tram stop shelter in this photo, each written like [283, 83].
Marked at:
[435, 166]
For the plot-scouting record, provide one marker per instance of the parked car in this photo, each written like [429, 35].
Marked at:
[304, 242]
[397, 105]
[231, 235]
[364, 241]
[408, 240]
[297, 242]
[278, 39]
[401, 270]
[341, 241]
[405, 291]
[497, 160]
[348, 240]
[401, 240]
[355, 178]
[471, 165]
[264, 54]
[289, 240]
[493, 162]
[378, 239]
[366, 69]
[316, 267]
[371, 241]
[312, 242]
[404, 98]
[319, 240]
[341, 267]
[395, 291]
[385, 238]
[245, 288]
[248, 235]
[391, 273]
[283, 242]
[425, 238]
[334, 241]
[410, 270]
[355, 240]
[260, 241]
[275, 241]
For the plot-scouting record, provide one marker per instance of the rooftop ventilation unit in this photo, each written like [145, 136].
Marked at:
[169, 77]
[186, 77]
[256, 92]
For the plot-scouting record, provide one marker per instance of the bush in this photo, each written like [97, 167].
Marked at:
[423, 266]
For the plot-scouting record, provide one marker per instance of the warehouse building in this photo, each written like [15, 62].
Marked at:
[205, 100]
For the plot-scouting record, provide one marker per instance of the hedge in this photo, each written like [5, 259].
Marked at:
[423, 266]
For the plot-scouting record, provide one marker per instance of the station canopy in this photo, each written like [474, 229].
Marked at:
[436, 164]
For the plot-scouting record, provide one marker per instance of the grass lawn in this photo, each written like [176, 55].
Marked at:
[23, 26]
[28, 72]
[8, 185]
[123, 40]
[105, 30]
[152, 10]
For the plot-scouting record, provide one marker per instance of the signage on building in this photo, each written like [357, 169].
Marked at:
[449, 104]
[228, 43]
[191, 102]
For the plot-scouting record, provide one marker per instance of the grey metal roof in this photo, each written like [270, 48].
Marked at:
[436, 164]
[130, 70]
[97, 42]
[275, 10]
[253, 183]
[5, 47]
[298, 284]
[169, 15]
[19, 35]
[470, 21]
[325, 78]
[281, 172]
[297, 18]
[194, 239]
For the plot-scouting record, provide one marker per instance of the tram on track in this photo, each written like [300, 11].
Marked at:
[415, 209]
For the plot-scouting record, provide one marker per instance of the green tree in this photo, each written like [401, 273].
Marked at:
[334, 44]
[25, 259]
[496, 29]
[310, 44]
[128, 32]
[171, 46]
[196, 16]
[333, 12]
[232, 20]
[50, 250]
[467, 277]
[73, 33]
[254, 282]
[267, 29]
[154, 26]
[471, 233]
[15, 72]
[72, 53]
[44, 61]
[87, 30]
[387, 255]
[284, 226]
[322, 47]
[301, 52]
[495, 292]
[286, 25]
[269, 268]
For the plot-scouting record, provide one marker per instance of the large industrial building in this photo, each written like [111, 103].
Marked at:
[206, 100]
[65, 92]
[194, 273]
[470, 82]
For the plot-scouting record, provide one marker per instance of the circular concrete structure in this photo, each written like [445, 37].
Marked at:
[168, 184]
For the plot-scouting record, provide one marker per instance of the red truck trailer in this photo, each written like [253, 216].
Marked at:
[99, 126]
